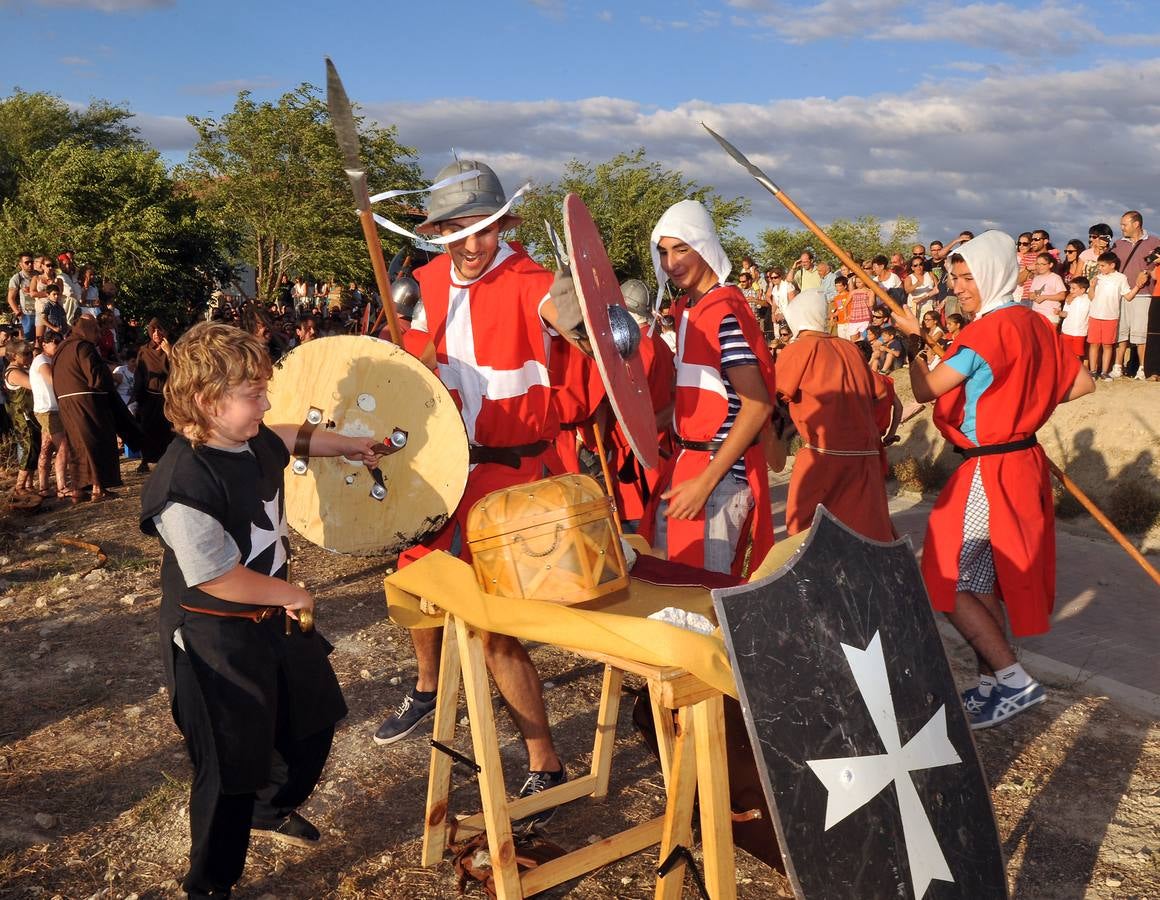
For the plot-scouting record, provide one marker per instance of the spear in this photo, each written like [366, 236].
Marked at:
[342, 121]
[766, 182]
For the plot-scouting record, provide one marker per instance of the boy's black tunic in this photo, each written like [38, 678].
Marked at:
[238, 662]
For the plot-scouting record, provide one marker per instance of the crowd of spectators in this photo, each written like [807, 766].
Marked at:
[66, 441]
[1099, 295]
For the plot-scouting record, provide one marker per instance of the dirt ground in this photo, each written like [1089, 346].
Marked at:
[94, 780]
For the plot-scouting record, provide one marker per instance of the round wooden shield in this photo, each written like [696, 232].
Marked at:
[367, 387]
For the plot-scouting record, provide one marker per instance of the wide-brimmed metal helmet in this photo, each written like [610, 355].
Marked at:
[405, 294]
[479, 196]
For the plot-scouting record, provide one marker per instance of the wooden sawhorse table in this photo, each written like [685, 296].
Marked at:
[692, 757]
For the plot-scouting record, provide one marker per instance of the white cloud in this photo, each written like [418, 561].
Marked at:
[1058, 150]
[165, 133]
[74, 61]
[230, 86]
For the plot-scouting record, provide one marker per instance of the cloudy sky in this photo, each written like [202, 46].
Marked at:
[1022, 114]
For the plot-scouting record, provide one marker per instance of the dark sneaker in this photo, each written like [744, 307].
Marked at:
[537, 783]
[1006, 702]
[295, 829]
[409, 716]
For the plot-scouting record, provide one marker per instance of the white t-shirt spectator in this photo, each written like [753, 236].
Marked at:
[1075, 319]
[43, 396]
[125, 388]
[1106, 296]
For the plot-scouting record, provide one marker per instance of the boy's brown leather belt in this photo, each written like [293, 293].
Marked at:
[253, 615]
[708, 446]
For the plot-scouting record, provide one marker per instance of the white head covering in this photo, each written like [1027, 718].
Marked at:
[992, 261]
[808, 311]
[690, 222]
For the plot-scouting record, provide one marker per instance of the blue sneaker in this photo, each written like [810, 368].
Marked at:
[1005, 702]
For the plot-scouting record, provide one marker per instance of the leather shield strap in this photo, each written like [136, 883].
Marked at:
[505, 456]
[302, 440]
[993, 449]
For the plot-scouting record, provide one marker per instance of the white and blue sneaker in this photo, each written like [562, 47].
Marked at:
[1005, 702]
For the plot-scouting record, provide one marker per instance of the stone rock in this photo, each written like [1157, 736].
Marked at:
[96, 575]
[5, 561]
[133, 713]
[43, 547]
[364, 674]
[5, 584]
[41, 601]
[6, 602]
[74, 577]
[45, 820]
[395, 679]
[62, 590]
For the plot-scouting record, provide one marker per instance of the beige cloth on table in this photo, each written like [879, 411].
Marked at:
[615, 625]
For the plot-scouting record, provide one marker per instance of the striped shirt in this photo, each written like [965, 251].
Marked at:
[735, 351]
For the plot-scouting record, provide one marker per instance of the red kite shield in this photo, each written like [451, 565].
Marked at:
[613, 333]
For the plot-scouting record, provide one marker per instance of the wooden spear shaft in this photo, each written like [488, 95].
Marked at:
[1085, 501]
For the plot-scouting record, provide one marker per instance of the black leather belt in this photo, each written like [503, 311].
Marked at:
[505, 456]
[707, 446]
[993, 449]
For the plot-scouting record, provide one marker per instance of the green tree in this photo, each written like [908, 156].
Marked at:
[626, 196]
[117, 209]
[33, 123]
[862, 238]
[272, 174]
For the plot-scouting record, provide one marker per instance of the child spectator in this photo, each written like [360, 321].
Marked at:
[53, 312]
[891, 350]
[1106, 290]
[1075, 317]
[955, 323]
[861, 301]
[840, 310]
[255, 697]
[1047, 289]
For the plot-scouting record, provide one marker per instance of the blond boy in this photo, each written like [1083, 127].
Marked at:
[253, 694]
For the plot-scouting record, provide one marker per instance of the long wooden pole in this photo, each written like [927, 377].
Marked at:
[880, 293]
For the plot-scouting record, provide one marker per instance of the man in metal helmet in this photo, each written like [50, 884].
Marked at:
[484, 321]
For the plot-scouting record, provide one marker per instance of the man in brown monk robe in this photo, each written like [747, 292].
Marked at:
[91, 410]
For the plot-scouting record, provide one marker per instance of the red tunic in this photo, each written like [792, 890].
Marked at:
[492, 351]
[631, 479]
[1031, 374]
[832, 396]
[576, 392]
[701, 406]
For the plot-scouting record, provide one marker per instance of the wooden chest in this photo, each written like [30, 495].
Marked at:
[551, 540]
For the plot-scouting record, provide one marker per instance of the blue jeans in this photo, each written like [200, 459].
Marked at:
[725, 513]
[28, 325]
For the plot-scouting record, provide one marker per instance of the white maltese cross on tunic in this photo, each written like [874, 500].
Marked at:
[852, 781]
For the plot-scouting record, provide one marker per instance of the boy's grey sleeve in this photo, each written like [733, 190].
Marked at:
[204, 549]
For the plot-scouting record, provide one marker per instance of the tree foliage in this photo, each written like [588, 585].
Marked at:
[271, 173]
[34, 123]
[626, 196]
[116, 208]
[862, 238]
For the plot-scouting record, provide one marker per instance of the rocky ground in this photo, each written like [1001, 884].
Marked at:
[94, 781]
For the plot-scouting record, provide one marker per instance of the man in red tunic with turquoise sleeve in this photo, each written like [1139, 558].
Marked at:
[990, 541]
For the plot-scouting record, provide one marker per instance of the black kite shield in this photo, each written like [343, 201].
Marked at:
[863, 750]
[614, 334]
